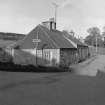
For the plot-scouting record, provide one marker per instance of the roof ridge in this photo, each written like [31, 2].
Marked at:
[70, 41]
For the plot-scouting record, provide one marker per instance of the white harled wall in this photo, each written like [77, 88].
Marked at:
[51, 56]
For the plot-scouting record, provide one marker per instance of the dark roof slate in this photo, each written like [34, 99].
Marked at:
[53, 39]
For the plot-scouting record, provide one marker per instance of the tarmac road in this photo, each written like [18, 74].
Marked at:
[54, 88]
[91, 66]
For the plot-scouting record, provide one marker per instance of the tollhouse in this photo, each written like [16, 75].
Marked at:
[44, 46]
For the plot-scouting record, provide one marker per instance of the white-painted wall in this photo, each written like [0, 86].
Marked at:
[52, 55]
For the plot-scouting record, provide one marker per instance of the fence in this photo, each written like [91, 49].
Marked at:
[100, 50]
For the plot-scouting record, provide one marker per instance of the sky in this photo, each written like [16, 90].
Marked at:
[21, 16]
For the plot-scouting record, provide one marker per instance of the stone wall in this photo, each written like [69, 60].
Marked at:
[68, 57]
[83, 53]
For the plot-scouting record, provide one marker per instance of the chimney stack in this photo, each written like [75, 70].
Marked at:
[51, 24]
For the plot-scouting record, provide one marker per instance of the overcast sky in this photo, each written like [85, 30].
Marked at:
[21, 16]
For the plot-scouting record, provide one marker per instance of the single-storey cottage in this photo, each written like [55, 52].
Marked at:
[44, 46]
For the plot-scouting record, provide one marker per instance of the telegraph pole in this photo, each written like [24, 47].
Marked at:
[96, 44]
[36, 41]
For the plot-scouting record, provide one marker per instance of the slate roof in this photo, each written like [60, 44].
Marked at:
[53, 39]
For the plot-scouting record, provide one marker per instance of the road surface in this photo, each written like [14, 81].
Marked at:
[91, 66]
[55, 88]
